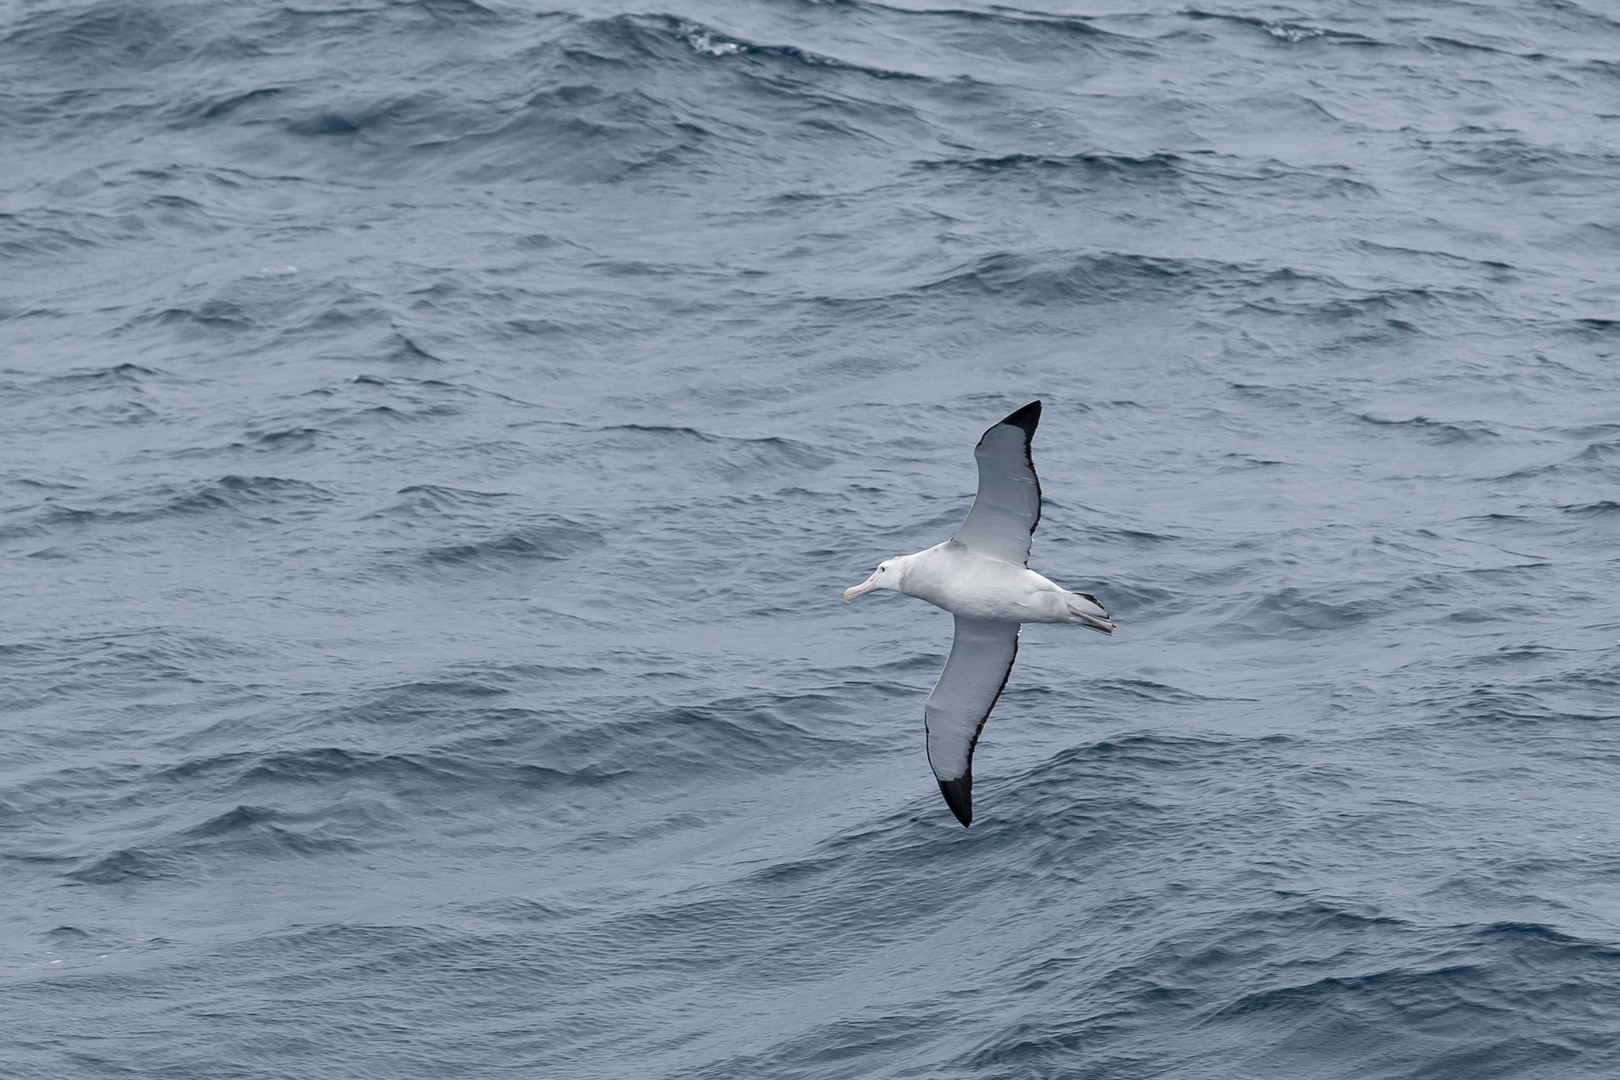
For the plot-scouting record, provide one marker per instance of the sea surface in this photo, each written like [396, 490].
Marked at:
[434, 437]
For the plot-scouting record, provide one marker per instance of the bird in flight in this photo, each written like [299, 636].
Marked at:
[981, 575]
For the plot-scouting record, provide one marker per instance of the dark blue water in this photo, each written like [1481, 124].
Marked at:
[434, 437]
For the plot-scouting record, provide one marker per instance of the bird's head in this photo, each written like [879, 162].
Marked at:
[886, 576]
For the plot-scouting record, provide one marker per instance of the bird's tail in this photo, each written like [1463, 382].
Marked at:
[1088, 611]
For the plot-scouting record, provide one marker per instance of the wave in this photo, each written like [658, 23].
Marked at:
[557, 539]
[122, 376]
[721, 456]
[246, 832]
[124, 866]
[441, 502]
[1063, 29]
[1322, 300]
[1088, 278]
[1439, 432]
[1062, 281]
[44, 235]
[1289, 611]
[579, 100]
[766, 735]
[1148, 167]
[1600, 508]
[229, 494]
[111, 34]
[245, 492]
[1288, 33]
[485, 746]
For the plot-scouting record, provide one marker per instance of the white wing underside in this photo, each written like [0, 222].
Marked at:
[981, 658]
[1008, 505]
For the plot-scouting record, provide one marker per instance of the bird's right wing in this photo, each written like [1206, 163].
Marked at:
[1008, 505]
[980, 661]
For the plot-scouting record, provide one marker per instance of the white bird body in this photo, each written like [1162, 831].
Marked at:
[963, 582]
[981, 576]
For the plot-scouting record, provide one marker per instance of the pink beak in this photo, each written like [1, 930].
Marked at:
[862, 589]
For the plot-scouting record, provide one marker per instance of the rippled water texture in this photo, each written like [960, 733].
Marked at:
[435, 437]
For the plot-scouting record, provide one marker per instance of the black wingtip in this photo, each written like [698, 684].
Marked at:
[1026, 418]
[959, 794]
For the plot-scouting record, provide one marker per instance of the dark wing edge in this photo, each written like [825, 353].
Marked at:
[959, 796]
[1028, 418]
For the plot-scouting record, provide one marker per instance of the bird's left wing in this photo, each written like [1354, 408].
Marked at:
[980, 661]
[1008, 505]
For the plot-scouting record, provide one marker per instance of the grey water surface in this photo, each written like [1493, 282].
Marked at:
[434, 436]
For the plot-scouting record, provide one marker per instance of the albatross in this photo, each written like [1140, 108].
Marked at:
[982, 577]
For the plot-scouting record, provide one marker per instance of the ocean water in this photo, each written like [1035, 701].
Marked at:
[434, 437]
